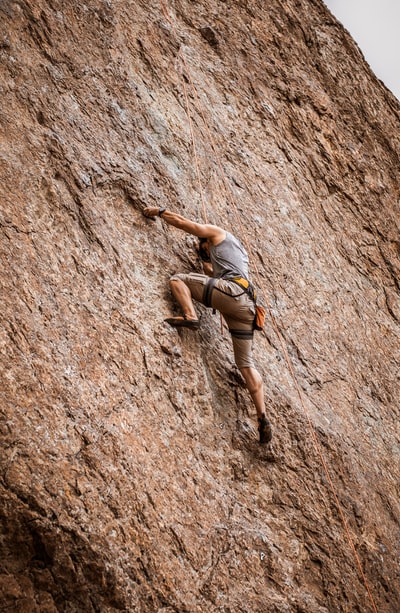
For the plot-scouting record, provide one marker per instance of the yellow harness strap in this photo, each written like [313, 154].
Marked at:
[246, 285]
[240, 281]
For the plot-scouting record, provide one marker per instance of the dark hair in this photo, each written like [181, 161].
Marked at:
[202, 251]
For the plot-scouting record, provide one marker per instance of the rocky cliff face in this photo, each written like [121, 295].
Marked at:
[131, 476]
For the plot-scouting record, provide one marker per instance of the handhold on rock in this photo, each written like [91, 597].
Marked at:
[209, 35]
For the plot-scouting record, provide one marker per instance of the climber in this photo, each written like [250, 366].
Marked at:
[224, 259]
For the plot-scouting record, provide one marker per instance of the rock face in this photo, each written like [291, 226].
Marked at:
[131, 476]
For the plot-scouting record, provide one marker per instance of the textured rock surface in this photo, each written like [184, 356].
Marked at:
[131, 478]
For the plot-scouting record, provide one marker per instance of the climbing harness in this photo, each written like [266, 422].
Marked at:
[260, 312]
[248, 288]
[211, 286]
[208, 290]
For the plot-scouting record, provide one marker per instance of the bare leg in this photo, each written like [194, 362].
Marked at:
[255, 386]
[182, 294]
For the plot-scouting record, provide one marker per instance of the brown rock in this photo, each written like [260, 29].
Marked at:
[131, 476]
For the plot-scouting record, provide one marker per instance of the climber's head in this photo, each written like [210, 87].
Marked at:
[204, 249]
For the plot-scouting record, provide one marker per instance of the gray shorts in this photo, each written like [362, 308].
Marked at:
[236, 308]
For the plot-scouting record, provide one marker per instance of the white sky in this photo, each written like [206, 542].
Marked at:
[375, 26]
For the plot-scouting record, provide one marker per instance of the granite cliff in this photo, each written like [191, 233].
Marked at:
[131, 478]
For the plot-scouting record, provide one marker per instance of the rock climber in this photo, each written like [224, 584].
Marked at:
[224, 286]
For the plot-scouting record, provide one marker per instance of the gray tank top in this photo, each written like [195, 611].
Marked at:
[229, 258]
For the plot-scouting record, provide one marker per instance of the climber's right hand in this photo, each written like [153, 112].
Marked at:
[151, 211]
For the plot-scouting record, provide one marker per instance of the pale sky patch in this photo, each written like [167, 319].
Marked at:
[375, 26]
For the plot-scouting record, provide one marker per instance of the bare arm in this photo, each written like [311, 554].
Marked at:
[213, 233]
[208, 269]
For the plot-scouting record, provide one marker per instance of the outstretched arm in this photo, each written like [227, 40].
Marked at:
[213, 233]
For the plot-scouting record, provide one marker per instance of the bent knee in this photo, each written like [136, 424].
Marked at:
[176, 282]
[177, 277]
[253, 378]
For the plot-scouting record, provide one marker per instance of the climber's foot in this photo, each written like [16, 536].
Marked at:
[183, 322]
[264, 429]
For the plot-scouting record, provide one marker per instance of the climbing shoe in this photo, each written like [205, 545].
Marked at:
[183, 322]
[264, 429]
